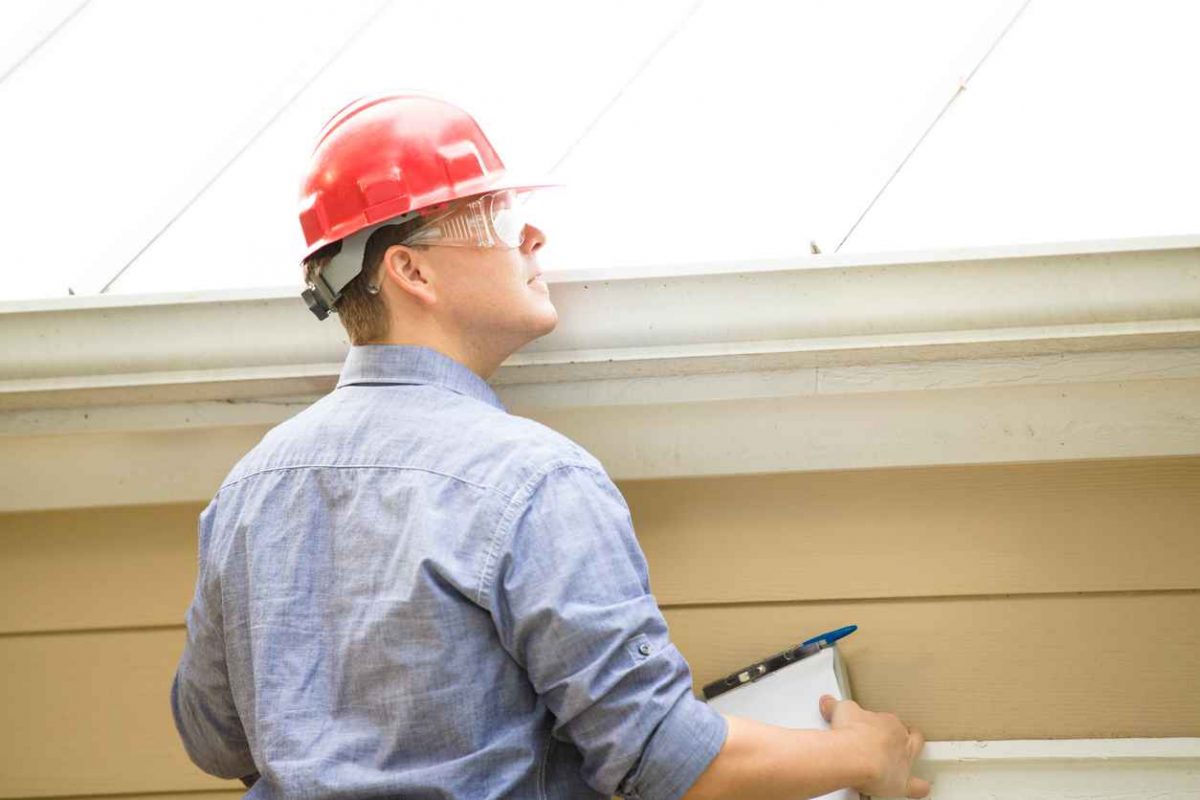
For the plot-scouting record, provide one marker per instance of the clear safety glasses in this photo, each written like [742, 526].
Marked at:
[496, 219]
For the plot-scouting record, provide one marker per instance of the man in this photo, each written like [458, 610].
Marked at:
[405, 591]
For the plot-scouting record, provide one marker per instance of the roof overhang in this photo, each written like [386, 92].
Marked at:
[1017, 353]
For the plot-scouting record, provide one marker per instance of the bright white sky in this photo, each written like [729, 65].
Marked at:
[167, 139]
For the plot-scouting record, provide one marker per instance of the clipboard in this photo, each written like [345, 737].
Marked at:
[785, 691]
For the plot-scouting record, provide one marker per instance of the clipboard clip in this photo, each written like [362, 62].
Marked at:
[746, 676]
[781, 659]
[755, 671]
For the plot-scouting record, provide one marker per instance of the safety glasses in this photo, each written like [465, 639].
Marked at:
[496, 219]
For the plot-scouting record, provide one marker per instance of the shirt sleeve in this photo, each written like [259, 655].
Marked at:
[568, 588]
[201, 700]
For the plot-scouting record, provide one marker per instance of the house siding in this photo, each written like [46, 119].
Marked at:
[1006, 601]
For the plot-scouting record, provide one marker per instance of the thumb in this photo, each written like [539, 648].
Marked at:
[917, 787]
[827, 703]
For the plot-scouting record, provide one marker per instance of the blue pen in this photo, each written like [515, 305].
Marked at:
[826, 639]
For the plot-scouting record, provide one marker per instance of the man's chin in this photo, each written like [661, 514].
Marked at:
[549, 324]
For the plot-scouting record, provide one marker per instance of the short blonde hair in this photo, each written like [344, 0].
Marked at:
[364, 315]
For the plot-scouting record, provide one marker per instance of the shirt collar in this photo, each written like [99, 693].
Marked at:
[406, 363]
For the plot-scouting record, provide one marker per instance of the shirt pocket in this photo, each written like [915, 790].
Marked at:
[639, 648]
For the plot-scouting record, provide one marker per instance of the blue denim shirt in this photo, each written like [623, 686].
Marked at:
[405, 591]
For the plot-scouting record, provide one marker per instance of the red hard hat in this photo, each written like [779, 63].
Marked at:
[385, 158]
[382, 157]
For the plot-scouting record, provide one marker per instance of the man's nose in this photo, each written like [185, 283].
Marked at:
[534, 238]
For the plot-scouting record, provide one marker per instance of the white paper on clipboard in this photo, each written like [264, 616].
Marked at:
[790, 697]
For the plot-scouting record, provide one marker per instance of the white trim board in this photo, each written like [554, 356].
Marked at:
[1105, 769]
[1039, 408]
[977, 360]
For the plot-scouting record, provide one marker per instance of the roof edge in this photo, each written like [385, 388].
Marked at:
[730, 317]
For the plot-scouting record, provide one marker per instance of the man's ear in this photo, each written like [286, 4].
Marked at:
[407, 270]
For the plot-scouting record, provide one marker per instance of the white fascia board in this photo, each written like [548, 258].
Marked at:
[806, 365]
[1170, 748]
[804, 312]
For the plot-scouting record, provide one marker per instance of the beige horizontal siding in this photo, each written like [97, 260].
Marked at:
[223, 795]
[994, 529]
[934, 531]
[144, 557]
[89, 712]
[995, 601]
[1033, 667]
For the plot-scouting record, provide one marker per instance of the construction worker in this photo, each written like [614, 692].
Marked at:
[405, 591]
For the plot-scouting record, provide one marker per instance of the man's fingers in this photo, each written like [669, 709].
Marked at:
[917, 787]
[916, 740]
[827, 704]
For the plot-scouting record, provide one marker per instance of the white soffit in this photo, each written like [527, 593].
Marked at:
[725, 129]
[208, 193]
[25, 25]
[1077, 127]
[130, 108]
[763, 125]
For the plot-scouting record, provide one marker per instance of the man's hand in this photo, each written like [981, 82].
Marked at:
[888, 746]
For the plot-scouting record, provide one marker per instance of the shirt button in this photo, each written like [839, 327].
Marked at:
[644, 649]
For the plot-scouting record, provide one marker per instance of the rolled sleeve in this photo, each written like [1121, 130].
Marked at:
[682, 747]
[568, 589]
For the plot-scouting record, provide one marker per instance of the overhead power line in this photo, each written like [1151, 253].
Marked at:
[962, 85]
[671, 34]
[53, 32]
[253, 138]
